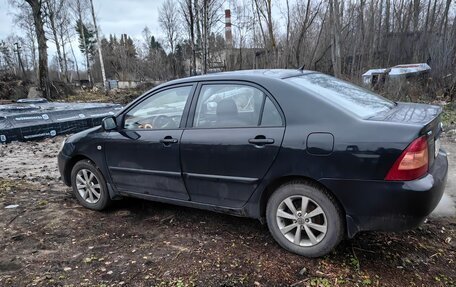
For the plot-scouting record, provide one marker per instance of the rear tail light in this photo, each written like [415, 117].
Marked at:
[413, 162]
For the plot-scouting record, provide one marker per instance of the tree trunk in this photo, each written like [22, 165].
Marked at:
[263, 35]
[335, 37]
[65, 61]
[416, 14]
[43, 72]
[433, 17]
[204, 36]
[74, 59]
[287, 48]
[302, 33]
[322, 26]
[51, 16]
[191, 24]
[271, 33]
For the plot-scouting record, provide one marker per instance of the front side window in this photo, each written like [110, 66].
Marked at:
[161, 111]
[227, 106]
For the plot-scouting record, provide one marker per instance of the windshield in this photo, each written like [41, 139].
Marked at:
[355, 99]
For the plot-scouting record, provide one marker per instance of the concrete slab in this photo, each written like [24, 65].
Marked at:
[447, 206]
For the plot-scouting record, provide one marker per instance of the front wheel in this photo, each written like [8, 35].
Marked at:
[89, 186]
[304, 219]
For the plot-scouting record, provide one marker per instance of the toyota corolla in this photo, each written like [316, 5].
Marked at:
[317, 158]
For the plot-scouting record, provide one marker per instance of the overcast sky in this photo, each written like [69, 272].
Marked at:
[114, 16]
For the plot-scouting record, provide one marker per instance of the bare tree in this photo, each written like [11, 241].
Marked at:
[169, 22]
[210, 14]
[63, 28]
[243, 25]
[187, 10]
[25, 21]
[37, 7]
[54, 8]
[334, 14]
[305, 17]
[264, 11]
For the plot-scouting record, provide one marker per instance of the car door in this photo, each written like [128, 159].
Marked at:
[234, 133]
[143, 155]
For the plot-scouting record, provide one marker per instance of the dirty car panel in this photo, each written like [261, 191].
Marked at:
[297, 147]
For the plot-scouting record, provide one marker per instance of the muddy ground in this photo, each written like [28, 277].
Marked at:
[49, 240]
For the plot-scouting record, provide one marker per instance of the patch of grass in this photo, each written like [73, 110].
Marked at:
[90, 259]
[447, 281]
[88, 96]
[366, 281]
[449, 115]
[354, 262]
[320, 282]
[7, 185]
[43, 203]
[176, 282]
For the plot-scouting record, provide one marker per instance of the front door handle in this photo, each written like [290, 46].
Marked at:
[261, 140]
[168, 140]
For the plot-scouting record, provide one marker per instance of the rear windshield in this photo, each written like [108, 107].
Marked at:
[355, 99]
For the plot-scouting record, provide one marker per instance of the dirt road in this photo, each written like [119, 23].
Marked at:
[47, 239]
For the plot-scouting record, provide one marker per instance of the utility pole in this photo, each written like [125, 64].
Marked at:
[18, 51]
[205, 37]
[103, 73]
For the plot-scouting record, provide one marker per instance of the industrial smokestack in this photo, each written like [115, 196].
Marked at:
[228, 33]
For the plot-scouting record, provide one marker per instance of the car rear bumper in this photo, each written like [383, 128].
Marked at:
[390, 205]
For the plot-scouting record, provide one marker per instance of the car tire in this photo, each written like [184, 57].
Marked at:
[89, 186]
[313, 232]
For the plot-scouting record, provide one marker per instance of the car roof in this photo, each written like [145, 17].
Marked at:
[244, 75]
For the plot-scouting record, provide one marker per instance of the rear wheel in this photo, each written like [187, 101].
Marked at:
[89, 186]
[304, 219]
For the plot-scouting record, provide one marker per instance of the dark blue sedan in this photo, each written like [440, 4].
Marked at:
[318, 158]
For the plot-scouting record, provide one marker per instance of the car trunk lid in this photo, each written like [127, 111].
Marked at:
[426, 117]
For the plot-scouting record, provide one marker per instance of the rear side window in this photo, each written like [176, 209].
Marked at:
[228, 106]
[361, 102]
[271, 115]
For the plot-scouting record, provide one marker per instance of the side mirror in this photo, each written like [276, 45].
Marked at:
[109, 123]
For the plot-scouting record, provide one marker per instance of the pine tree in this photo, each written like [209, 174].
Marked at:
[89, 47]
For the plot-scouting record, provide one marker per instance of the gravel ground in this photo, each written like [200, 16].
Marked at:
[32, 161]
[50, 240]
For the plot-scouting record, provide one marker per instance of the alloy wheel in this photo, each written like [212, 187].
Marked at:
[301, 220]
[88, 186]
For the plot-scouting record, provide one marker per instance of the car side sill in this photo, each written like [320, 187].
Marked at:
[222, 177]
[145, 171]
[189, 175]
[232, 211]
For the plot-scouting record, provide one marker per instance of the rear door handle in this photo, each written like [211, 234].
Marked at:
[168, 140]
[261, 140]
